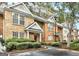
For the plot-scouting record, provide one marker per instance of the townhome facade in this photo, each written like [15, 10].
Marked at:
[18, 21]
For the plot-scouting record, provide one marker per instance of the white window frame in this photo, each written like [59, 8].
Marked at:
[50, 27]
[19, 34]
[14, 35]
[17, 19]
[50, 37]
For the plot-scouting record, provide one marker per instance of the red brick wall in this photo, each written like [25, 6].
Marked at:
[1, 24]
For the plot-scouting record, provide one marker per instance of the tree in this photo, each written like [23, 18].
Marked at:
[69, 17]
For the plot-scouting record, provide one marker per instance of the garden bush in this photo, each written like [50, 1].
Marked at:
[19, 40]
[36, 45]
[11, 45]
[56, 44]
[75, 41]
[45, 43]
[24, 45]
[74, 46]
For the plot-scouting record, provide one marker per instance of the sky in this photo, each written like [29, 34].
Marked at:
[77, 25]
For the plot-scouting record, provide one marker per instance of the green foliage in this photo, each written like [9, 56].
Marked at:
[11, 45]
[22, 45]
[36, 45]
[56, 44]
[75, 41]
[19, 40]
[45, 43]
[74, 46]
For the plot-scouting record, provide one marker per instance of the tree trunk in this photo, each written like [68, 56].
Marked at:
[70, 27]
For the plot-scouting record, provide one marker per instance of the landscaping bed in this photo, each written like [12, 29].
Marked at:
[21, 43]
[75, 45]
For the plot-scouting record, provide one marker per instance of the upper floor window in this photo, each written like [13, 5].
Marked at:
[50, 37]
[18, 19]
[50, 27]
[21, 20]
[15, 18]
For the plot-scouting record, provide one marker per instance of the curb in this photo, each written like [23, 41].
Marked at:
[66, 50]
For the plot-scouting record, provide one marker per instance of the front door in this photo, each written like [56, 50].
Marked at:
[36, 37]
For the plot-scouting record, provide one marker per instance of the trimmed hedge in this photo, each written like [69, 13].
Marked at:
[19, 40]
[45, 43]
[75, 41]
[55, 44]
[36, 45]
[23, 45]
[74, 46]
[11, 45]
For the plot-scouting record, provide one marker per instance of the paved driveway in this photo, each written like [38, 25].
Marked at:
[51, 51]
[3, 54]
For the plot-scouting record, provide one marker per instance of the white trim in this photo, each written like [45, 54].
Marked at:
[3, 28]
[34, 24]
[23, 5]
[14, 4]
[27, 34]
[18, 19]
[27, 8]
[40, 37]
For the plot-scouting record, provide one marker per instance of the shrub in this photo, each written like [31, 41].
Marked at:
[74, 46]
[11, 45]
[24, 45]
[75, 41]
[56, 44]
[19, 40]
[45, 43]
[36, 45]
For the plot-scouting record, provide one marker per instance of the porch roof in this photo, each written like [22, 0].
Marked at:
[34, 27]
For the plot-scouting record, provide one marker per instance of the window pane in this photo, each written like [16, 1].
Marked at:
[50, 27]
[21, 34]
[15, 18]
[50, 37]
[22, 20]
[15, 34]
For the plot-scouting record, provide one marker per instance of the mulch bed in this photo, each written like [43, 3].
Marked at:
[14, 52]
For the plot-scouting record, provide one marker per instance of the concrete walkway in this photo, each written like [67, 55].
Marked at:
[51, 51]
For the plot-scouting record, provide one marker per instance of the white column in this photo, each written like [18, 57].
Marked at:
[27, 34]
[40, 37]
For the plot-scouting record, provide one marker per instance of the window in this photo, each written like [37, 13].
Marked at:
[50, 27]
[18, 34]
[21, 20]
[50, 37]
[15, 18]
[21, 34]
[18, 19]
[15, 34]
